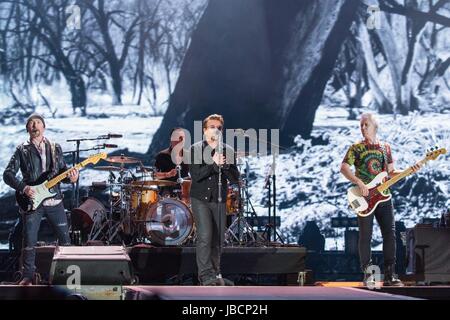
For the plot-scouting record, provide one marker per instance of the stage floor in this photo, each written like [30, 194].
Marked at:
[255, 293]
[236, 293]
[345, 291]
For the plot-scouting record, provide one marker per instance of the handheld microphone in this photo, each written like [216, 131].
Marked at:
[217, 135]
[114, 135]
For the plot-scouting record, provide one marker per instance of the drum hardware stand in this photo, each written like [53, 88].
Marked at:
[97, 227]
[243, 227]
[104, 227]
[240, 225]
[271, 179]
[180, 180]
[272, 197]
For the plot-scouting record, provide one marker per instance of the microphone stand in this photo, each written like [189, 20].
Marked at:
[76, 159]
[272, 195]
[219, 196]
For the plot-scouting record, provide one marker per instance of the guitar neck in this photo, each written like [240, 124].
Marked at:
[65, 174]
[384, 186]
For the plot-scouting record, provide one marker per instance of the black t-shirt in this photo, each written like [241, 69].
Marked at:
[164, 163]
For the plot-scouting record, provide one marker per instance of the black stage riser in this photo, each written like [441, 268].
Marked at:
[153, 265]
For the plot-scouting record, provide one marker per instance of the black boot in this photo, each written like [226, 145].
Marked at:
[390, 278]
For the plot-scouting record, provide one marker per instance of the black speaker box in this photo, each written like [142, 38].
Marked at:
[91, 265]
[429, 253]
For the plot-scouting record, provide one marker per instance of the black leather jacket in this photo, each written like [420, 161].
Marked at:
[205, 177]
[27, 159]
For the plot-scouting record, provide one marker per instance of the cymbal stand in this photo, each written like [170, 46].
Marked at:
[240, 226]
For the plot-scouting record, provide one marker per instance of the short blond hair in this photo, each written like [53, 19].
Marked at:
[217, 117]
[372, 119]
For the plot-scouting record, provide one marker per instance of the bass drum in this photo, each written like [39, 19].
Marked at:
[168, 222]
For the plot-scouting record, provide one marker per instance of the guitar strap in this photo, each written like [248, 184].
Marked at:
[53, 152]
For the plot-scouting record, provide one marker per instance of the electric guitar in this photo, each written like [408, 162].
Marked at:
[42, 186]
[365, 206]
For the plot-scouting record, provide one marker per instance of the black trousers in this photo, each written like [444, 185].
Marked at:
[384, 214]
[210, 223]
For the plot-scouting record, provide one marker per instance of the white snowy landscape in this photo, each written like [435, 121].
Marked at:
[309, 184]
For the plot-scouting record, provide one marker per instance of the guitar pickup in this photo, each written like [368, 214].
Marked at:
[355, 204]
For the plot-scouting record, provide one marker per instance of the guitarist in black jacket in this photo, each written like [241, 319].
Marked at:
[35, 158]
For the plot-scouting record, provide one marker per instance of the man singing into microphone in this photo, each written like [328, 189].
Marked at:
[209, 159]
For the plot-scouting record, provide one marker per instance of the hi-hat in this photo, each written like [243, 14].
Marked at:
[122, 159]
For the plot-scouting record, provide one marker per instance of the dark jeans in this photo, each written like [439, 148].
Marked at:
[32, 221]
[384, 214]
[210, 226]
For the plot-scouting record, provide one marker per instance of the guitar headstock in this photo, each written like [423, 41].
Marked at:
[97, 157]
[435, 152]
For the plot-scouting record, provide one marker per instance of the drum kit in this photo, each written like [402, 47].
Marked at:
[136, 211]
[138, 208]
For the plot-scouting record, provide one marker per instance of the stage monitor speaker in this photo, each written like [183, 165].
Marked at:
[429, 254]
[91, 265]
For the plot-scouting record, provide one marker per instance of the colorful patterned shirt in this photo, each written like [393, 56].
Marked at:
[368, 159]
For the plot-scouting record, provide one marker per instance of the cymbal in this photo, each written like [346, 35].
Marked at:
[161, 183]
[122, 159]
[107, 168]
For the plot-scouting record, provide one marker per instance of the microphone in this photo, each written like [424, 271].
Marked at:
[114, 135]
[108, 145]
[217, 135]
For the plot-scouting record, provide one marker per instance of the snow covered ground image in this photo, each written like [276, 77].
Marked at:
[139, 68]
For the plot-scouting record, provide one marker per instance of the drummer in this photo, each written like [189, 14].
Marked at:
[166, 169]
